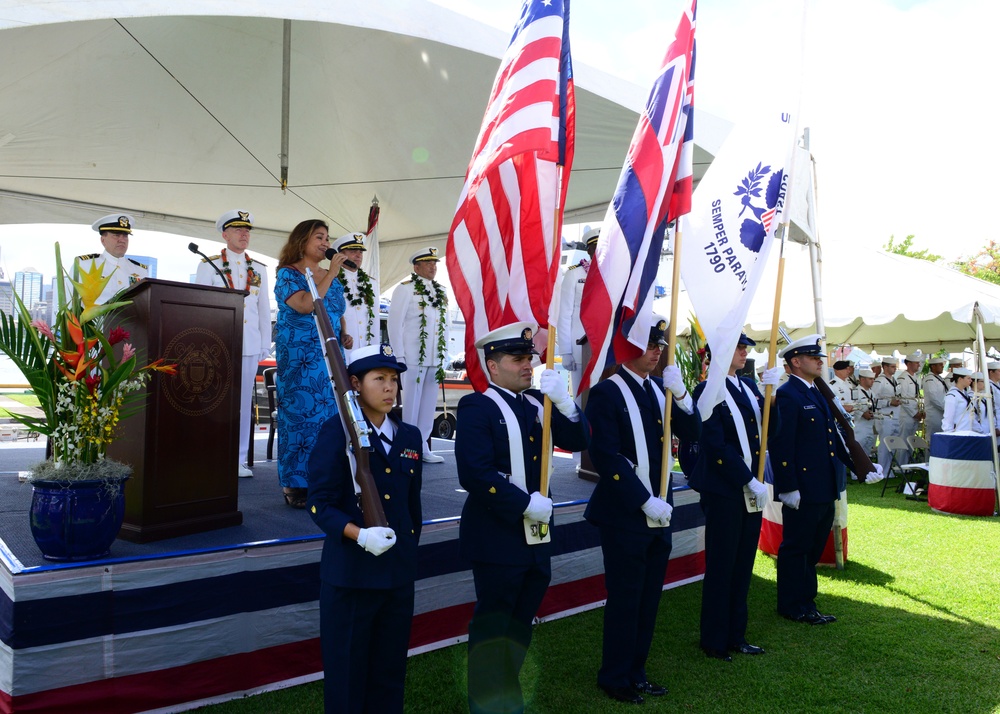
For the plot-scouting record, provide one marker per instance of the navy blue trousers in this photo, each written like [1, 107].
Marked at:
[804, 535]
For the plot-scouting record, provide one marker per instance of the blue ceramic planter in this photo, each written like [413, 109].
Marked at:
[77, 520]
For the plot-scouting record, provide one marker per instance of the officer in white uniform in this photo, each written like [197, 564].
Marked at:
[908, 389]
[124, 272]
[569, 330]
[935, 387]
[420, 305]
[361, 319]
[244, 273]
[864, 412]
[887, 403]
[840, 386]
[993, 372]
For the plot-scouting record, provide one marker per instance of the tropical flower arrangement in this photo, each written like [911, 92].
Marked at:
[83, 374]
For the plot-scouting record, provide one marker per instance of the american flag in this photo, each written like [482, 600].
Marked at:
[654, 188]
[501, 257]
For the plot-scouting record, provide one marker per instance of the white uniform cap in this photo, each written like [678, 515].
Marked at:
[962, 372]
[937, 360]
[866, 373]
[992, 366]
[917, 356]
[426, 254]
[114, 223]
[808, 345]
[351, 241]
[890, 360]
[978, 376]
[956, 362]
[234, 219]
[514, 339]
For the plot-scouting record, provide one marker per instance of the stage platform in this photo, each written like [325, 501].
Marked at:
[168, 625]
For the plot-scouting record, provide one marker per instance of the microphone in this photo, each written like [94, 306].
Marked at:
[194, 249]
[330, 252]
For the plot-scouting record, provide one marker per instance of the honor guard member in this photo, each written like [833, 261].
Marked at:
[934, 387]
[803, 451]
[361, 319]
[993, 372]
[841, 386]
[962, 411]
[887, 403]
[630, 512]
[864, 412]
[908, 390]
[123, 272]
[725, 473]
[243, 273]
[570, 337]
[499, 455]
[418, 328]
[367, 574]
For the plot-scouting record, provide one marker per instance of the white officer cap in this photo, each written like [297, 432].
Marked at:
[234, 219]
[513, 339]
[425, 255]
[808, 345]
[351, 241]
[917, 356]
[866, 373]
[591, 236]
[114, 223]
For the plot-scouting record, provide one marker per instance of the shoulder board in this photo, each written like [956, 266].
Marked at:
[214, 257]
[833, 381]
[406, 282]
[88, 256]
[136, 262]
[575, 265]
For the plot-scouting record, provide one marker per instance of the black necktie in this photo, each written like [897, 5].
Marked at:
[654, 403]
[386, 441]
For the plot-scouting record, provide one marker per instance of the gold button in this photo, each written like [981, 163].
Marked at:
[812, 420]
[659, 421]
[803, 468]
[493, 489]
[387, 497]
[615, 477]
[784, 463]
[720, 462]
[831, 453]
[757, 453]
[411, 531]
[531, 438]
[411, 471]
[314, 509]
[388, 470]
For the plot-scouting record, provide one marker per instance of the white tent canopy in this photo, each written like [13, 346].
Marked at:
[172, 111]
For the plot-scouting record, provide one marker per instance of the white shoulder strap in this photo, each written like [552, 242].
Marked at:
[638, 432]
[517, 473]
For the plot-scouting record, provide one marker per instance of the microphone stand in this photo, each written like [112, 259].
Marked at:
[194, 249]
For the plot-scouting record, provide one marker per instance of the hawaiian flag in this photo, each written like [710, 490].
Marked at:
[653, 189]
[501, 257]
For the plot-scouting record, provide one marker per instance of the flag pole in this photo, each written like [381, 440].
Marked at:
[771, 354]
[668, 402]
[550, 359]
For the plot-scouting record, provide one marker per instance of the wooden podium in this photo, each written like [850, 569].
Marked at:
[182, 442]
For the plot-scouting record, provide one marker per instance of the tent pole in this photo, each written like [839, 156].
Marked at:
[286, 85]
[989, 405]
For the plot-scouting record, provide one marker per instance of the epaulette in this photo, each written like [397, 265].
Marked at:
[136, 262]
[89, 256]
[575, 265]
[406, 282]
[833, 381]
[214, 257]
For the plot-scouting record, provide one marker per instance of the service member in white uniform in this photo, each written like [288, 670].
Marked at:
[887, 403]
[935, 387]
[864, 411]
[908, 389]
[361, 319]
[962, 412]
[994, 374]
[244, 273]
[569, 330]
[114, 231]
[840, 386]
[418, 332]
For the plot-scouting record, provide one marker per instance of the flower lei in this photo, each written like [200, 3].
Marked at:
[439, 301]
[365, 296]
[229, 271]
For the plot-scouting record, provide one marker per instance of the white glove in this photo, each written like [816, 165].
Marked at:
[658, 510]
[264, 354]
[791, 499]
[539, 508]
[772, 376]
[376, 540]
[876, 475]
[673, 381]
[554, 387]
[757, 488]
[568, 363]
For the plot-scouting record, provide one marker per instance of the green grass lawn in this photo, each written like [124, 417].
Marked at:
[29, 400]
[918, 631]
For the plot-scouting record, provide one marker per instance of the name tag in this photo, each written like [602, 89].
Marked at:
[809, 406]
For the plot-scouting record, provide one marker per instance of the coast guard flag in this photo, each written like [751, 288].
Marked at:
[654, 187]
[729, 234]
[501, 256]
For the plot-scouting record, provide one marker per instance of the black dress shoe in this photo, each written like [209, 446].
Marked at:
[623, 694]
[828, 618]
[809, 618]
[747, 649]
[650, 689]
[717, 654]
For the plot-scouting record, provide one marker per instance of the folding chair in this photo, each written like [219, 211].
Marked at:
[894, 444]
[272, 407]
[919, 445]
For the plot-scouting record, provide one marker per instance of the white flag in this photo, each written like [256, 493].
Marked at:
[734, 213]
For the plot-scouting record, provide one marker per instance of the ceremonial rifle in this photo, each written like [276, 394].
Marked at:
[349, 410]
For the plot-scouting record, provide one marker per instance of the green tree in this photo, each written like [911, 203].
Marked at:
[905, 247]
[984, 265]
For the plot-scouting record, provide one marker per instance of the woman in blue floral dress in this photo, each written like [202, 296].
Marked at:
[305, 395]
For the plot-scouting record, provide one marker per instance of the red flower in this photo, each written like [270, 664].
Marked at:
[92, 381]
[117, 335]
